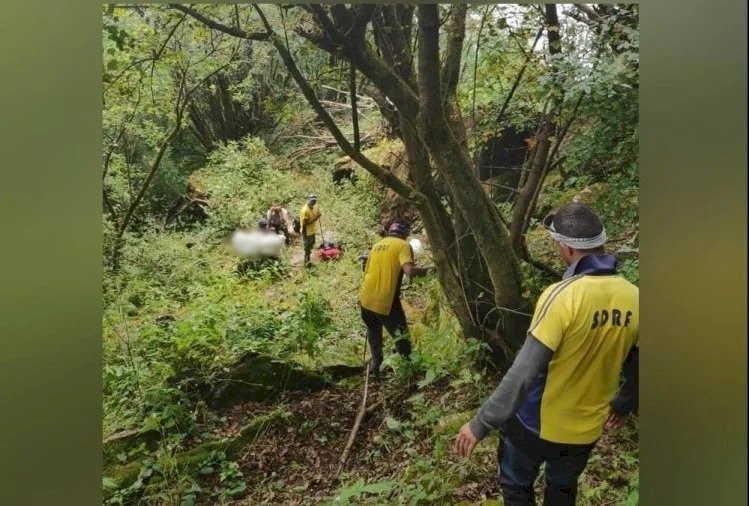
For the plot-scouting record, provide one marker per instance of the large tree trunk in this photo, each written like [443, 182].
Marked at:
[439, 228]
[453, 163]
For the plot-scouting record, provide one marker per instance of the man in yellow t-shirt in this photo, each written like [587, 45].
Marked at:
[309, 217]
[563, 387]
[379, 297]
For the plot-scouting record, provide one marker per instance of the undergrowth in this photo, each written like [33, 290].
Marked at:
[181, 304]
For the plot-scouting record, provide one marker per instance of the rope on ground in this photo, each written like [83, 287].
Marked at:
[359, 418]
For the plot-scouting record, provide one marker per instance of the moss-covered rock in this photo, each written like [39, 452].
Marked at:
[190, 461]
[259, 378]
[118, 447]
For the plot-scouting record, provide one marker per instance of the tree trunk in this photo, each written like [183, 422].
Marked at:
[144, 188]
[473, 203]
[531, 186]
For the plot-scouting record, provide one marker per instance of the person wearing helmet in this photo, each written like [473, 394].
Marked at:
[379, 296]
[309, 218]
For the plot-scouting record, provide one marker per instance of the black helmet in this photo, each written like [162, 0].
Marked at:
[262, 223]
[399, 227]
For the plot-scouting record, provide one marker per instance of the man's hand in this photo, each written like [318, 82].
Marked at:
[614, 421]
[465, 442]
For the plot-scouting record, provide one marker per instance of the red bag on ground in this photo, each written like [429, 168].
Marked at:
[329, 251]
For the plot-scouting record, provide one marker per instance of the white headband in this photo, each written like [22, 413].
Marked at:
[579, 242]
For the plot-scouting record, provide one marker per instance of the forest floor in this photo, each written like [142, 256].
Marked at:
[296, 462]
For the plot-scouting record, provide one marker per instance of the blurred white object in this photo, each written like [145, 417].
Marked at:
[271, 244]
[256, 244]
[416, 246]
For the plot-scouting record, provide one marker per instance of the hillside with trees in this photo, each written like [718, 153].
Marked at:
[228, 381]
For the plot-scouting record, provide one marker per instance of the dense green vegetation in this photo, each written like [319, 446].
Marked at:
[203, 130]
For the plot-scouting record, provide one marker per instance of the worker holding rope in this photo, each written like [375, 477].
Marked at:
[386, 263]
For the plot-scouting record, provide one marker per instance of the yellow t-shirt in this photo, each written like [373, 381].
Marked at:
[383, 274]
[591, 323]
[306, 215]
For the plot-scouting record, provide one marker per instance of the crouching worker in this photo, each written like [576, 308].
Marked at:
[388, 260]
[553, 403]
[278, 220]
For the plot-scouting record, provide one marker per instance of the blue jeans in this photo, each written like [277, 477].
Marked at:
[520, 456]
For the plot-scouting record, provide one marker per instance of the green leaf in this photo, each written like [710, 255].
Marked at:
[112, 65]
[151, 424]
[353, 490]
[188, 500]
[392, 423]
[108, 482]
[416, 398]
[236, 489]
[379, 487]
[428, 379]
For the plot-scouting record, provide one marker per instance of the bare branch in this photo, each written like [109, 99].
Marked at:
[342, 92]
[236, 32]
[393, 85]
[532, 184]
[592, 15]
[518, 78]
[354, 111]
[382, 174]
[475, 70]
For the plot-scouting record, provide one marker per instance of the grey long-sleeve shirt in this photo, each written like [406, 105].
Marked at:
[532, 360]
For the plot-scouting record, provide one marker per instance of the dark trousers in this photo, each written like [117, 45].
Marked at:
[281, 229]
[397, 327]
[520, 456]
[309, 243]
